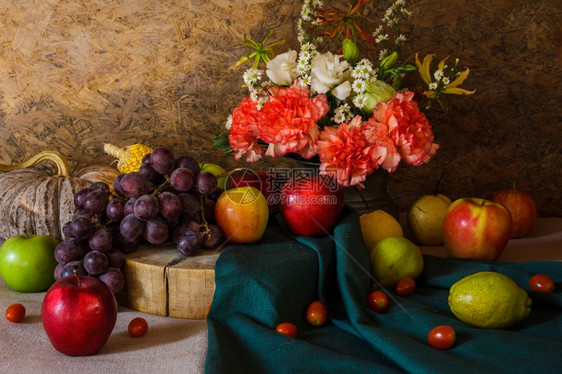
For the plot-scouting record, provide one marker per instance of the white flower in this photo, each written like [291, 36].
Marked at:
[281, 70]
[446, 81]
[359, 101]
[328, 73]
[432, 86]
[438, 75]
[359, 86]
[251, 76]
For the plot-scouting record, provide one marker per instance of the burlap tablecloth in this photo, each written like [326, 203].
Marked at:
[174, 345]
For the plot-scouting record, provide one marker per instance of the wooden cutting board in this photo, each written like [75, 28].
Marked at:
[159, 280]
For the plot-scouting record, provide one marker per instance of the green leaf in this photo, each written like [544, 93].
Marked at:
[221, 142]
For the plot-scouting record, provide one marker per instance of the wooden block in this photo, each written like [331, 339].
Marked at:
[159, 280]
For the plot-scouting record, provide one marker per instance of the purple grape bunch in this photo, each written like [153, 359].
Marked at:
[168, 200]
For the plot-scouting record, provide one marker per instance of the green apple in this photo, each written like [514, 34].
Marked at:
[216, 170]
[27, 262]
[425, 219]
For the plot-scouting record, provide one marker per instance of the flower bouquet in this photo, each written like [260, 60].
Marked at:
[346, 110]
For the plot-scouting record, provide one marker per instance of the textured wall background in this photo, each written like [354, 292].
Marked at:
[74, 75]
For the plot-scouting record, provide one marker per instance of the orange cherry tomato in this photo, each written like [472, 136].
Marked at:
[15, 313]
[541, 282]
[378, 301]
[316, 313]
[405, 286]
[287, 328]
[138, 327]
[442, 337]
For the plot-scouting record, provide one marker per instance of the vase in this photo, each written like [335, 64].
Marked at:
[374, 196]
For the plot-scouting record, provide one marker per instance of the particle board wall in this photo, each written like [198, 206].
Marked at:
[76, 74]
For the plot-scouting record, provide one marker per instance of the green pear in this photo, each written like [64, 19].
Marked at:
[489, 300]
[425, 219]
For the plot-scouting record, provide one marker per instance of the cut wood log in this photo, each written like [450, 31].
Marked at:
[159, 280]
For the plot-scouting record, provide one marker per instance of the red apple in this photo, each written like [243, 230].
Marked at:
[78, 315]
[242, 214]
[476, 228]
[311, 206]
[523, 209]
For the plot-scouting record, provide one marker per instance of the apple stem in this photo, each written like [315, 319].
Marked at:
[514, 184]
[77, 277]
[439, 182]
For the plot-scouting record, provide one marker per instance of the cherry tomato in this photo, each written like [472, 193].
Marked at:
[287, 328]
[138, 327]
[15, 313]
[378, 301]
[442, 337]
[405, 286]
[316, 313]
[541, 282]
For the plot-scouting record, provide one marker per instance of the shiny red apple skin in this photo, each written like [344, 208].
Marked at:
[311, 206]
[78, 314]
[523, 209]
[476, 228]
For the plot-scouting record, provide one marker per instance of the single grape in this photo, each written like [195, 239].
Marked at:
[135, 184]
[187, 162]
[101, 240]
[79, 198]
[95, 262]
[162, 160]
[73, 266]
[67, 230]
[131, 227]
[213, 237]
[95, 201]
[115, 209]
[115, 258]
[170, 205]
[182, 179]
[146, 207]
[117, 185]
[58, 271]
[191, 204]
[68, 251]
[151, 174]
[126, 245]
[156, 231]
[189, 243]
[205, 183]
[129, 207]
[114, 279]
[82, 227]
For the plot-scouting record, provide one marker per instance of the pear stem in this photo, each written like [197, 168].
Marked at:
[439, 182]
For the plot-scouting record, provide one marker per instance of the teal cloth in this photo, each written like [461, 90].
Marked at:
[261, 285]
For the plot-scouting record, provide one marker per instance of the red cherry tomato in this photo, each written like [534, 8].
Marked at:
[378, 301]
[316, 313]
[405, 286]
[15, 313]
[287, 328]
[442, 337]
[138, 327]
[541, 282]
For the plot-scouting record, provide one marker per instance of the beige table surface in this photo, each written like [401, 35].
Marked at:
[174, 345]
